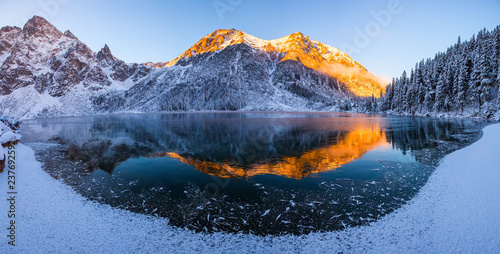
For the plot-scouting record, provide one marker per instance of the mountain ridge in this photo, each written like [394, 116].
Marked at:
[226, 70]
[296, 47]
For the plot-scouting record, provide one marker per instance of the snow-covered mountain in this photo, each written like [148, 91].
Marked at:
[44, 73]
[295, 47]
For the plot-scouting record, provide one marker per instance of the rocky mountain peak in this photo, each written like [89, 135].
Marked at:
[69, 34]
[293, 44]
[8, 29]
[106, 49]
[222, 32]
[105, 56]
[225, 70]
[38, 26]
[297, 35]
[299, 38]
[295, 47]
[219, 39]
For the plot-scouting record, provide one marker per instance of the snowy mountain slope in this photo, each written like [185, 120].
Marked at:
[226, 70]
[231, 70]
[8, 36]
[237, 77]
[51, 60]
[295, 47]
[48, 73]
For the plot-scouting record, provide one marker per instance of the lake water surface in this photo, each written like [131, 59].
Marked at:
[259, 173]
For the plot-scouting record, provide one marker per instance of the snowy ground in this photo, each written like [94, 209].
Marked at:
[458, 210]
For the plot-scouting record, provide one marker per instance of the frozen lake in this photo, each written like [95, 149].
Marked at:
[260, 173]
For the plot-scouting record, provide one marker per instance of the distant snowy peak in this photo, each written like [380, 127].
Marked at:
[45, 72]
[295, 47]
[38, 26]
[53, 62]
[294, 43]
[105, 56]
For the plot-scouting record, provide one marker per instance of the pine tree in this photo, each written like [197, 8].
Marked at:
[496, 58]
[475, 81]
[389, 94]
[496, 77]
[369, 104]
[450, 75]
[429, 93]
[410, 94]
[404, 92]
[463, 81]
[441, 93]
[419, 86]
[466, 75]
[472, 43]
[496, 49]
[485, 78]
[498, 97]
[397, 95]
[498, 102]
[440, 81]
[374, 103]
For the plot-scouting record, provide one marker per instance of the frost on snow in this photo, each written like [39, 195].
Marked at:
[456, 211]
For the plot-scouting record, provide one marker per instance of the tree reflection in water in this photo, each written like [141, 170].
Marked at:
[261, 173]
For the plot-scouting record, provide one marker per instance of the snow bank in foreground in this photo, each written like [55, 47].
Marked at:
[458, 210]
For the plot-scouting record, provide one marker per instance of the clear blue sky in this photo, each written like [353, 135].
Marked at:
[140, 31]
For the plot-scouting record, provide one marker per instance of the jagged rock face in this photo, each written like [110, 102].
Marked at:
[235, 77]
[226, 70]
[156, 65]
[295, 47]
[228, 80]
[55, 62]
[69, 34]
[230, 70]
[8, 36]
[105, 57]
[39, 27]
[120, 70]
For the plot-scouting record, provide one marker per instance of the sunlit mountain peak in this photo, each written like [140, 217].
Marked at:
[294, 47]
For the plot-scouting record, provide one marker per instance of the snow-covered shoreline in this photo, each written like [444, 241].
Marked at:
[456, 211]
[451, 115]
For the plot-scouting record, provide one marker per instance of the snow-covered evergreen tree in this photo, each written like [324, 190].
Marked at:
[389, 95]
[404, 92]
[419, 86]
[463, 80]
[475, 81]
[498, 96]
[441, 93]
[485, 78]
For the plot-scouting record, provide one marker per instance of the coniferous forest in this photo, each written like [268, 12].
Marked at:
[463, 81]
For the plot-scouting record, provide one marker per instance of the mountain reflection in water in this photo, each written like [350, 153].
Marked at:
[350, 147]
[259, 173]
